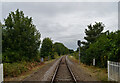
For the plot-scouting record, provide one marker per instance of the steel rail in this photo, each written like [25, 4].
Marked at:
[56, 70]
[73, 76]
[69, 69]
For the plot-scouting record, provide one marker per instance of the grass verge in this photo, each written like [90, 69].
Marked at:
[99, 73]
[19, 71]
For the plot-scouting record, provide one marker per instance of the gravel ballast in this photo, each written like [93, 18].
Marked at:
[44, 73]
[79, 72]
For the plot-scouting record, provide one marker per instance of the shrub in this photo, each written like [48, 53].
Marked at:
[14, 69]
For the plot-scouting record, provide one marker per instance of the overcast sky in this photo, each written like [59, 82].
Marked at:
[66, 21]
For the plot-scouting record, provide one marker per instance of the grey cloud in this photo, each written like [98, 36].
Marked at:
[53, 8]
[60, 0]
[66, 22]
[71, 40]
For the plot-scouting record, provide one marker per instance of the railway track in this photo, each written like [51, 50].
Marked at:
[63, 72]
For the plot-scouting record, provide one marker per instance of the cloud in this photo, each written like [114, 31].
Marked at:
[66, 22]
[59, 0]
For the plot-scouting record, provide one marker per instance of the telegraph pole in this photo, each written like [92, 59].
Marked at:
[79, 44]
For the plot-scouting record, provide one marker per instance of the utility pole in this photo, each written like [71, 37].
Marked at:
[79, 44]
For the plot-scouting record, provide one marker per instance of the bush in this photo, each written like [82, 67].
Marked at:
[10, 56]
[76, 55]
[14, 69]
[56, 55]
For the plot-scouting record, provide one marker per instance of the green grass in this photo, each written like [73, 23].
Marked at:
[99, 73]
[16, 69]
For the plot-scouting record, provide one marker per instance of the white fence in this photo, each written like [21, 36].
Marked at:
[113, 71]
[1, 73]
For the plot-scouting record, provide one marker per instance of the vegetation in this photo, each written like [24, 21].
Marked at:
[47, 48]
[15, 69]
[104, 46]
[60, 48]
[20, 38]
[93, 32]
[71, 51]
[50, 49]
[21, 43]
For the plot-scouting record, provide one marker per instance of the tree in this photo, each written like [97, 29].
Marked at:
[106, 47]
[93, 32]
[20, 38]
[46, 48]
[60, 48]
[71, 51]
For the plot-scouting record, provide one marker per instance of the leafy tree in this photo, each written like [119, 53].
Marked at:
[20, 37]
[106, 47]
[99, 51]
[60, 48]
[93, 32]
[101, 46]
[114, 53]
[46, 48]
[71, 51]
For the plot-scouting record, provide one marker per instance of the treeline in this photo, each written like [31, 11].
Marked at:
[21, 40]
[50, 49]
[102, 46]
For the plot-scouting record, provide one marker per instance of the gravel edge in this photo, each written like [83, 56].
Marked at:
[48, 74]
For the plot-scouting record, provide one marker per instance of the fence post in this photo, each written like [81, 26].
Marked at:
[1, 73]
[42, 59]
[94, 62]
[108, 70]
